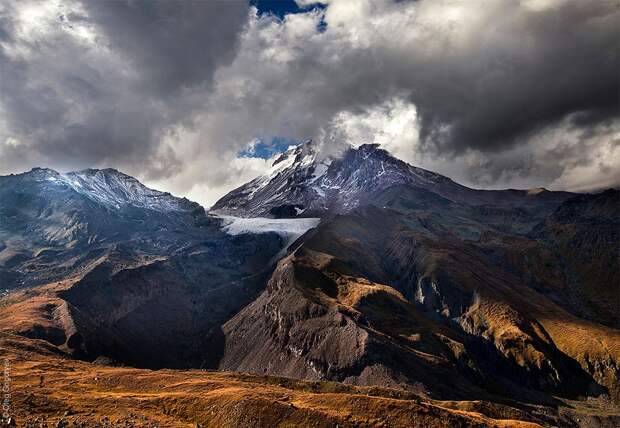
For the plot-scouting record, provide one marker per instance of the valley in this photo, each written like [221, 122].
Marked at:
[356, 290]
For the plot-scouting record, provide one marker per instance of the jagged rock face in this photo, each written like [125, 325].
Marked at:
[315, 322]
[335, 342]
[167, 313]
[301, 182]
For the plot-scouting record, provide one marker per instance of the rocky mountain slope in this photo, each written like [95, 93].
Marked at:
[585, 231]
[368, 272]
[53, 224]
[503, 290]
[104, 267]
[414, 304]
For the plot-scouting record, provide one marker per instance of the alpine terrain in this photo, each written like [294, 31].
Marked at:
[337, 291]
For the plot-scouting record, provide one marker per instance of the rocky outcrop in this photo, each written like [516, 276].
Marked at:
[375, 284]
[314, 322]
[287, 332]
[585, 232]
[167, 313]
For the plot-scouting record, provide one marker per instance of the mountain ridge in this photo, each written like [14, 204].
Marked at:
[109, 187]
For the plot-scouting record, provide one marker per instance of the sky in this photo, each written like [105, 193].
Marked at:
[195, 97]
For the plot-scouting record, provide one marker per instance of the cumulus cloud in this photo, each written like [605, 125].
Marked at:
[562, 156]
[491, 93]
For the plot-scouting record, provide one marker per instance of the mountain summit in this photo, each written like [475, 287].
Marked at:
[52, 223]
[303, 183]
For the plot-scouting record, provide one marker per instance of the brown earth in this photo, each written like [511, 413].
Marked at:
[48, 386]
[50, 390]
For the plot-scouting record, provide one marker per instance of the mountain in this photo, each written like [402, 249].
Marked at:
[301, 182]
[125, 262]
[358, 269]
[412, 275]
[102, 266]
[53, 223]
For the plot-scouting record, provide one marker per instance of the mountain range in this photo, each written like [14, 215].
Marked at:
[358, 269]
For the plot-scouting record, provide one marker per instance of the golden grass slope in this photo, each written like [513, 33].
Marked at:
[46, 388]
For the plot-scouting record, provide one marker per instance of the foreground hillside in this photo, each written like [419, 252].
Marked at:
[49, 390]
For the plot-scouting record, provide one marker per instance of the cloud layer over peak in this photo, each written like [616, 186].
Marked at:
[493, 94]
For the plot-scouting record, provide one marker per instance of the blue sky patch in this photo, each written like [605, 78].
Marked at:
[280, 8]
[266, 150]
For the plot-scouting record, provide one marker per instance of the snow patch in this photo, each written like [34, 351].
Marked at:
[292, 226]
[289, 228]
[320, 170]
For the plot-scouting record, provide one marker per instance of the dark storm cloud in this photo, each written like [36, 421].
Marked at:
[491, 93]
[571, 66]
[173, 44]
[488, 77]
[484, 76]
[104, 83]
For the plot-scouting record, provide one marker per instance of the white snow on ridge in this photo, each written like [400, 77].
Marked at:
[284, 161]
[114, 189]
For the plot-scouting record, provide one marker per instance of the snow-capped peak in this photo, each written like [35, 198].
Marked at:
[301, 182]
